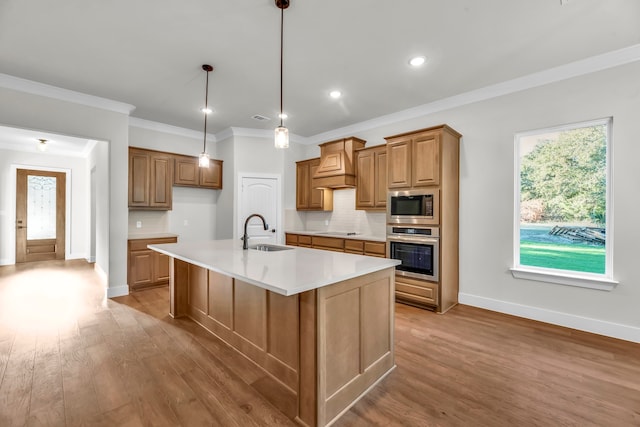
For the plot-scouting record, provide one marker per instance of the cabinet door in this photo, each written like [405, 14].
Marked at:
[426, 160]
[141, 263]
[380, 176]
[211, 177]
[160, 271]
[303, 185]
[160, 192]
[399, 164]
[365, 179]
[186, 171]
[316, 196]
[139, 172]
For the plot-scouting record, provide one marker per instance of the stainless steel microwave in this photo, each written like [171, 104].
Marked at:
[414, 207]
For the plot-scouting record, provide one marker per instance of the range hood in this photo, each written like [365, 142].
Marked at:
[337, 164]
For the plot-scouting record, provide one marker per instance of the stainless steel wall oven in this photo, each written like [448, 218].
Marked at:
[418, 248]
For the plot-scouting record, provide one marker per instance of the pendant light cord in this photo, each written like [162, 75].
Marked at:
[206, 106]
[281, 56]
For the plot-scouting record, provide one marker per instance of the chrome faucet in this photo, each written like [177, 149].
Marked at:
[245, 237]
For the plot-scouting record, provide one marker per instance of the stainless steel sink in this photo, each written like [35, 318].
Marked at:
[266, 247]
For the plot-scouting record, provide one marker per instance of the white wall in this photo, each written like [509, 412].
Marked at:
[225, 206]
[25, 110]
[77, 245]
[487, 196]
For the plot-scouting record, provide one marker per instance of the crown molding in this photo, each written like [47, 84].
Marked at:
[170, 129]
[589, 65]
[41, 89]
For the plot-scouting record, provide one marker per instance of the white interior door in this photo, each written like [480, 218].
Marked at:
[260, 195]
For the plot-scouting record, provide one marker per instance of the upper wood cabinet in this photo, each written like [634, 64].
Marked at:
[371, 178]
[307, 197]
[414, 158]
[150, 177]
[189, 174]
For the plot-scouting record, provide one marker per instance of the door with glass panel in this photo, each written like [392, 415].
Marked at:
[40, 215]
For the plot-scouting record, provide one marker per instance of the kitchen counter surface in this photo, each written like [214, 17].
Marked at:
[144, 236]
[340, 235]
[286, 272]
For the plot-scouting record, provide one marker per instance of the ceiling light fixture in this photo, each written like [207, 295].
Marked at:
[417, 61]
[42, 145]
[283, 115]
[335, 94]
[281, 132]
[206, 110]
[203, 160]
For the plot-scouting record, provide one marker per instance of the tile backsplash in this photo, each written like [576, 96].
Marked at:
[344, 217]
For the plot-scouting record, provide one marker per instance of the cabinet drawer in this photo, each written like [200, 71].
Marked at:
[375, 249]
[304, 241]
[329, 243]
[354, 246]
[141, 244]
[425, 292]
[291, 239]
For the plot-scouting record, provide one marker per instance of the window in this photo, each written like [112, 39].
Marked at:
[562, 205]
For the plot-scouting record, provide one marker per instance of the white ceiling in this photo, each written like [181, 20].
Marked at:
[149, 53]
[27, 140]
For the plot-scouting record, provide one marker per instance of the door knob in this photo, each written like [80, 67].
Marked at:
[273, 230]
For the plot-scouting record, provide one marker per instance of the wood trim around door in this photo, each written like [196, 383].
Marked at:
[41, 249]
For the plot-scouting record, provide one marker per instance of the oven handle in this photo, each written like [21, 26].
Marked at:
[427, 240]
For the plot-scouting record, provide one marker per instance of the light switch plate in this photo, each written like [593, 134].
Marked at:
[138, 224]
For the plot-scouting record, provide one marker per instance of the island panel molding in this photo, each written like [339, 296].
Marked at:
[327, 345]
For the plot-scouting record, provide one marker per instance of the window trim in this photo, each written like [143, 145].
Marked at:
[567, 277]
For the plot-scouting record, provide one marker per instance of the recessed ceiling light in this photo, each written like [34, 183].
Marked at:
[335, 94]
[282, 116]
[206, 110]
[417, 61]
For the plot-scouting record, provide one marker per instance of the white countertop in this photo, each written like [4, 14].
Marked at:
[286, 272]
[341, 235]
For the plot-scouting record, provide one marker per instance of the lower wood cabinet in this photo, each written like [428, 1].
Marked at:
[417, 292]
[351, 246]
[147, 268]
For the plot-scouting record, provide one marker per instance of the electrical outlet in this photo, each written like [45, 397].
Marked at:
[326, 222]
[186, 222]
[138, 224]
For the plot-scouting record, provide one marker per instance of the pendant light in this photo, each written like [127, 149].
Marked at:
[281, 133]
[203, 160]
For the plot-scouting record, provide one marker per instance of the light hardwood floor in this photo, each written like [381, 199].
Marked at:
[70, 357]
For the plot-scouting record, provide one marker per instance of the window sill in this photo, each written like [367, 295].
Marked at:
[590, 281]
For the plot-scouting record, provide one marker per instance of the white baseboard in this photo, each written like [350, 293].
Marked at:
[76, 256]
[6, 261]
[614, 330]
[91, 259]
[117, 291]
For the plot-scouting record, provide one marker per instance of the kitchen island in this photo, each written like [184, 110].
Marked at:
[320, 323]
